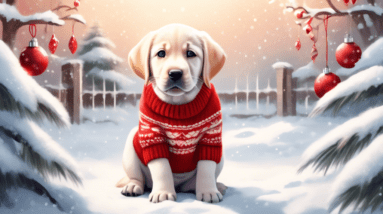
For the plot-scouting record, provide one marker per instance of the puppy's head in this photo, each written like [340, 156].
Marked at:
[175, 58]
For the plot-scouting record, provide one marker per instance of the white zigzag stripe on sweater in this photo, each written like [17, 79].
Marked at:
[182, 151]
[193, 126]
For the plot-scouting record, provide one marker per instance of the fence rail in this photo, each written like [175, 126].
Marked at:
[71, 94]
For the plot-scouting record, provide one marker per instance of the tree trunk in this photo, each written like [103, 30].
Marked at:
[9, 32]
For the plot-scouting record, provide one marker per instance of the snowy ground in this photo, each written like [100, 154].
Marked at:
[261, 160]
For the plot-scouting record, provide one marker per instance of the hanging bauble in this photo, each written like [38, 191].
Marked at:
[353, 1]
[53, 44]
[348, 53]
[325, 82]
[346, 1]
[300, 14]
[72, 44]
[298, 44]
[308, 27]
[314, 53]
[34, 59]
[76, 3]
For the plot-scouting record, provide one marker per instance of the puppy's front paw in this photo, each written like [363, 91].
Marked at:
[209, 195]
[159, 196]
[133, 188]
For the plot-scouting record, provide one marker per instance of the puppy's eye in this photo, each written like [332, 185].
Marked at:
[161, 54]
[190, 54]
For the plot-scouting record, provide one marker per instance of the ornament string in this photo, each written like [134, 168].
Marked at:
[73, 28]
[32, 30]
[325, 20]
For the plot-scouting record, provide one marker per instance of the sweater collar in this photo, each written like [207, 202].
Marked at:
[183, 111]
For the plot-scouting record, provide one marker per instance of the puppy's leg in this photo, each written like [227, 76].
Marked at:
[206, 185]
[220, 186]
[163, 184]
[133, 183]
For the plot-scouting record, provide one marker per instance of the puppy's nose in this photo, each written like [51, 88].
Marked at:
[175, 74]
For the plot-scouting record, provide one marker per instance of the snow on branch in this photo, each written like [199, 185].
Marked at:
[22, 94]
[75, 17]
[361, 180]
[38, 149]
[11, 13]
[100, 41]
[339, 145]
[100, 55]
[333, 11]
[365, 84]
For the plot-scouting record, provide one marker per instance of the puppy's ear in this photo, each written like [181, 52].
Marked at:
[139, 57]
[214, 58]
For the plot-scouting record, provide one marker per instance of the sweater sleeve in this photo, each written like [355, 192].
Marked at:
[152, 141]
[210, 145]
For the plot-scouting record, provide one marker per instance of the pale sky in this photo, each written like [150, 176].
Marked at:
[254, 33]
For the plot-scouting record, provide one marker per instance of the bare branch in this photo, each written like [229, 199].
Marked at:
[65, 6]
[11, 2]
[333, 6]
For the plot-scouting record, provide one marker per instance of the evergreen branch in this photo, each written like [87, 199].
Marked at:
[8, 103]
[356, 97]
[339, 153]
[37, 161]
[366, 196]
[18, 180]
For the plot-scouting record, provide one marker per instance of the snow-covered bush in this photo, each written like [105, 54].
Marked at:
[29, 157]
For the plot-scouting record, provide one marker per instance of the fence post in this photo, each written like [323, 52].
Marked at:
[286, 95]
[72, 80]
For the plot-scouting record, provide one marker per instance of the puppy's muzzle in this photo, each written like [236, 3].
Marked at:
[175, 75]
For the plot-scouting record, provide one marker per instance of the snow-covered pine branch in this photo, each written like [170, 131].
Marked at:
[341, 144]
[38, 149]
[359, 87]
[100, 56]
[23, 95]
[361, 181]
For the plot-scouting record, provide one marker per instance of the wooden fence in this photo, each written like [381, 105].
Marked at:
[70, 93]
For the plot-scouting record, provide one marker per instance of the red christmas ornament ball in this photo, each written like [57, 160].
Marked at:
[53, 44]
[324, 83]
[347, 54]
[76, 3]
[72, 44]
[298, 44]
[34, 59]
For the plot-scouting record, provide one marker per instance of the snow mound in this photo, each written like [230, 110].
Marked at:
[356, 83]
[367, 122]
[370, 57]
[23, 87]
[11, 12]
[360, 169]
[102, 41]
[99, 55]
[306, 72]
[282, 65]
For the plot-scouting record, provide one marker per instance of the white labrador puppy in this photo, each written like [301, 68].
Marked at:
[176, 61]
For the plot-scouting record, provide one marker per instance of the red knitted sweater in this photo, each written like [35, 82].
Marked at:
[184, 134]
